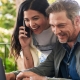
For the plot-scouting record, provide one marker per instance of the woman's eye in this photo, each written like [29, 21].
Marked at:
[26, 20]
[35, 18]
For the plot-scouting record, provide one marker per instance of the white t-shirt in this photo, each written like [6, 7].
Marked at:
[44, 42]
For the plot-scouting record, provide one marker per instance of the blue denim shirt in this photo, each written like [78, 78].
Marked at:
[68, 64]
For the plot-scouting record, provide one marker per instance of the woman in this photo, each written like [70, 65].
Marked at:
[41, 41]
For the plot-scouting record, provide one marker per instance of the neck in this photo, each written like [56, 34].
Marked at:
[71, 43]
[47, 26]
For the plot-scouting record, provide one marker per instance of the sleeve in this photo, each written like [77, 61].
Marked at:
[16, 72]
[57, 78]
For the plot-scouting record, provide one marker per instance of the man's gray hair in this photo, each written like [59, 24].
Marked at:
[71, 7]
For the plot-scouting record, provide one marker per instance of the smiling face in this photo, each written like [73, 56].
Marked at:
[36, 21]
[63, 27]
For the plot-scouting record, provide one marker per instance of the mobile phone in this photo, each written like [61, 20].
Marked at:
[27, 29]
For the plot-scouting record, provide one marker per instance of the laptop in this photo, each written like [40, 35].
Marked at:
[2, 71]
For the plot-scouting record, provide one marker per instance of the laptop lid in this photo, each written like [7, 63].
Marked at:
[2, 71]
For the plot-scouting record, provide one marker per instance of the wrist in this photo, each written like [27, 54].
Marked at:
[26, 52]
[12, 75]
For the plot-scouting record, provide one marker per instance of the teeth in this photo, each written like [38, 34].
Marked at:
[34, 28]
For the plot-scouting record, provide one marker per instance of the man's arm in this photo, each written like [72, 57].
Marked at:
[44, 69]
[33, 76]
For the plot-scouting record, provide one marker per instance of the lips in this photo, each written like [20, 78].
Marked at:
[61, 36]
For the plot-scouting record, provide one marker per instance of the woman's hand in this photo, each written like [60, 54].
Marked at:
[23, 38]
[25, 45]
[10, 76]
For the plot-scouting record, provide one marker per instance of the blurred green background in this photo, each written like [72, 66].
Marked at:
[7, 22]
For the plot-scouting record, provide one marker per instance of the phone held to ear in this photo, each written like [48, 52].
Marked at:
[27, 29]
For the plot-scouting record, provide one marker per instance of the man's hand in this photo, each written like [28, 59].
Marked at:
[29, 76]
[10, 76]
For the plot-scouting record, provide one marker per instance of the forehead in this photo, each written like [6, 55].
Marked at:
[31, 13]
[57, 17]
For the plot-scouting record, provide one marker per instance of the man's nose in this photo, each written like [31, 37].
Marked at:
[56, 30]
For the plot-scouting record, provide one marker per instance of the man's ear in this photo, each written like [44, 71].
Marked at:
[77, 21]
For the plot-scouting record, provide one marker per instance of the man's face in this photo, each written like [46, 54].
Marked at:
[63, 27]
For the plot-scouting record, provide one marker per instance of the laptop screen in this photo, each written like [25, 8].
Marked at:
[2, 71]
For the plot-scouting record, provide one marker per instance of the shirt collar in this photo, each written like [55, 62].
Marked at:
[78, 38]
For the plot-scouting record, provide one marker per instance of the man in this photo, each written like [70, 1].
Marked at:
[64, 61]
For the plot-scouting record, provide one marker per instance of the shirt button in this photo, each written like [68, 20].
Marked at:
[69, 76]
[67, 63]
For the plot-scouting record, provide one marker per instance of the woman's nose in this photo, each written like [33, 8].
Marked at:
[32, 23]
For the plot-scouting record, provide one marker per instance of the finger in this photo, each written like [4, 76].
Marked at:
[22, 32]
[19, 76]
[22, 28]
[22, 75]
[26, 79]
[22, 36]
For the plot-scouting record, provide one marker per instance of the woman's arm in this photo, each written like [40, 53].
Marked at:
[25, 41]
[28, 59]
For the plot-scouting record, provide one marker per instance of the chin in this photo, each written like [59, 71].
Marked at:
[37, 32]
[62, 41]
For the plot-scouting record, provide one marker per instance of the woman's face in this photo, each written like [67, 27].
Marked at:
[36, 21]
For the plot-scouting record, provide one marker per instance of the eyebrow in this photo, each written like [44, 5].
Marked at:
[36, 16]
[33, 16]
[58, 24]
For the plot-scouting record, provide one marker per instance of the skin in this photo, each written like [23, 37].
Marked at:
[64, 30]
[30, 76]
[10, 76]
[63, 27]
[37, 22]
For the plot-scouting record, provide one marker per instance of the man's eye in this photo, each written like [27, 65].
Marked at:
[61, 25]
[51, 25]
